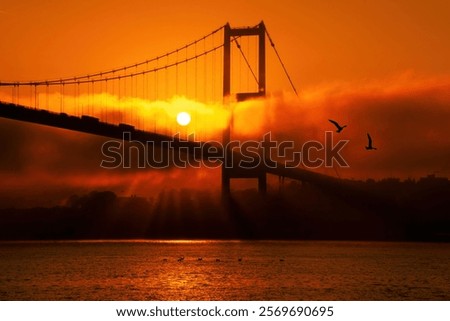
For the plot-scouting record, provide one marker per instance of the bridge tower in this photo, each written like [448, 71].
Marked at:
[228, 172]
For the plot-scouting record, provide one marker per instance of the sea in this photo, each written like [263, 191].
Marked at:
[224, 270]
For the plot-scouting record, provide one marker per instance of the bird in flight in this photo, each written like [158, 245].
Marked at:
[369, 144]
[339, 127]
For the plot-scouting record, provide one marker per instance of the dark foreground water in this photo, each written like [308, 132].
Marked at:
[224, 270]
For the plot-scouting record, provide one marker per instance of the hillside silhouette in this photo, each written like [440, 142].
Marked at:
[388, 209]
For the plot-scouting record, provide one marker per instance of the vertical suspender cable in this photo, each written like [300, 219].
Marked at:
[176, 74]
[106, 100]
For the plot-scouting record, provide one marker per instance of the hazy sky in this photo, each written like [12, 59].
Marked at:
[378, 66]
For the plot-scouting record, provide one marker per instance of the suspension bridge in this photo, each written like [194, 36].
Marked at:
[225, 66]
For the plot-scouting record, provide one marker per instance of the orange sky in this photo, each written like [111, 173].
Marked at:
[379, 66]
[320, 41]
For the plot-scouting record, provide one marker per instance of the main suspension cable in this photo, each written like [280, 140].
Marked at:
[281, 62]
[82, 78]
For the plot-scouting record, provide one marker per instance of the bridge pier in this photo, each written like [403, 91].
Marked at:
[228, 172]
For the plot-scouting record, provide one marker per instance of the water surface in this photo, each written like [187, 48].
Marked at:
[224, 270]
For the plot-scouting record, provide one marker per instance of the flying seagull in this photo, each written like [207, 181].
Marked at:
[370, 146]
[339, 127]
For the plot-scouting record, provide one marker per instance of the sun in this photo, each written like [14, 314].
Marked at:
[183, 118]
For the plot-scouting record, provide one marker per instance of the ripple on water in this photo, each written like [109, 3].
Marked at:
[151, 270]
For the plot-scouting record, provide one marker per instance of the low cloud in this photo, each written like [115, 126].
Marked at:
[408, 120]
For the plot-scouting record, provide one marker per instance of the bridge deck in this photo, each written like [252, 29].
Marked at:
[91, 125]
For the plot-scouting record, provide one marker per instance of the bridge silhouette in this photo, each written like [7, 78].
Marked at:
[85, 103]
